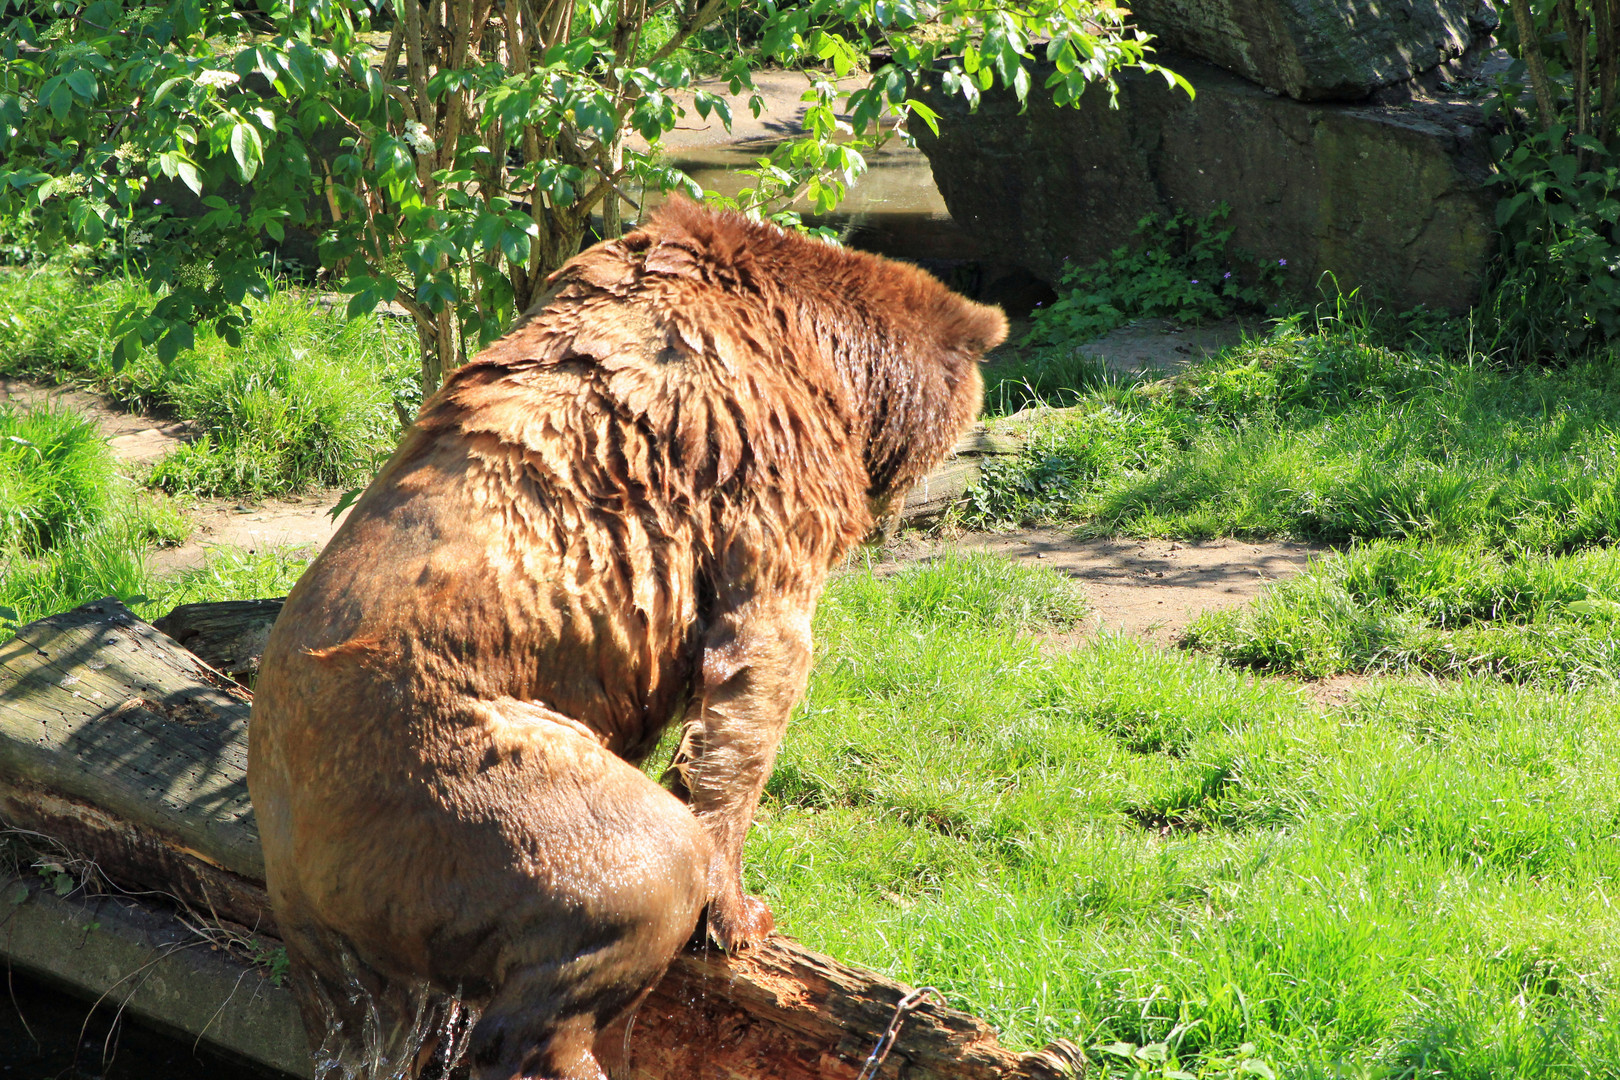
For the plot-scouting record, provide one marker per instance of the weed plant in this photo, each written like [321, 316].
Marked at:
[1402, 607]
[1181, 867]
[1183, 267]
[1330, 435]
[112, 561]
[307, 400]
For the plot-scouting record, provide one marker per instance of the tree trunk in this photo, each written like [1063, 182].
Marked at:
[131, 751]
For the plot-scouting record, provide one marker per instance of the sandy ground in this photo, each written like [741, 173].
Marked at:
[1150, 588]
[137, 440]
[1144, 588]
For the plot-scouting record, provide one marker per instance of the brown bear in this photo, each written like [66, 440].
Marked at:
[618, 516]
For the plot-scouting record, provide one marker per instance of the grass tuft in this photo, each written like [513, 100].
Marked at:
[1133, 848]
[1404, 607]
[54, 473]
[1329, 436]
[307, 400]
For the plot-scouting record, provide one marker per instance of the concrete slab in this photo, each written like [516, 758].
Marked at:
[142, 959]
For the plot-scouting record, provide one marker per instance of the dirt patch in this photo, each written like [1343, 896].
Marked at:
[1160, 346]
[297, 521]
[1145, 588]
[136, 438]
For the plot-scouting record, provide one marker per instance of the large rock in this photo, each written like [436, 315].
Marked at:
[1391, 199]
[1312, 50]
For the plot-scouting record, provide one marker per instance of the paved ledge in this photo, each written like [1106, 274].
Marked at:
[140, 958]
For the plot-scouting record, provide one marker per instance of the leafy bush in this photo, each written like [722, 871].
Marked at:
[1185, 269]
[1558, 287]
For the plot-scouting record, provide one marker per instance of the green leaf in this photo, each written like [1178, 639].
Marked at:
[83, 83]
[247, 150]
[346, 500]
[17, 894]
[173, 341]
[1596, 608]
[163, 91]
[1256, 1067]
[189, 174]
[58, 97]
[923, 112]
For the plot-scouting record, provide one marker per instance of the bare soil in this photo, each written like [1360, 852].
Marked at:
[1147, 588]
[1143, 588]
[138, 439]
[296, 521]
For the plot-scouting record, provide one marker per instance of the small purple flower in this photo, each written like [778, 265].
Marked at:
[1282, 262]
[1195, 281]
[1226, 275]
[157, 202]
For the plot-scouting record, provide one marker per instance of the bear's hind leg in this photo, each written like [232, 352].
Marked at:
[619, 876]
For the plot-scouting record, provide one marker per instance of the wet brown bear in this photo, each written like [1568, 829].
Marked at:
[619, 515]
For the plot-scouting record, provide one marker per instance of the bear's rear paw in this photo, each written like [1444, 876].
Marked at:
[740, 921]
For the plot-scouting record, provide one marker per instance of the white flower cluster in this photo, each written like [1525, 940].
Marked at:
[218, 80]
[416, 133]
[138, 238]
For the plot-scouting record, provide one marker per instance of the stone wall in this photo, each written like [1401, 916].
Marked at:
[1390, 199]
[1315, 50]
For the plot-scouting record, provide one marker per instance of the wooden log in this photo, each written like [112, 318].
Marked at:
[229, 636]
[118, 742]
[940, 489]
[131, 751]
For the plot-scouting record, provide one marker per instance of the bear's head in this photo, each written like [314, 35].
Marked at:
[892, 348]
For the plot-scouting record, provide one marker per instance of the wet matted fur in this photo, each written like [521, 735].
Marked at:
[619, 516]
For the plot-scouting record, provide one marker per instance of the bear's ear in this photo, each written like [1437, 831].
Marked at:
[971, 327]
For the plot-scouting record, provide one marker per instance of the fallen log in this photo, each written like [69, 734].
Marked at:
[129, 750]
[229, 636]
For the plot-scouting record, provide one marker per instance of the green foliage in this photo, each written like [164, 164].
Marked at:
[1334, 434]
[54, 472]
[1185, 268]
[1559, 292]
[443, 161]
[1403, 607]
[1558, 287]
[1163, 859]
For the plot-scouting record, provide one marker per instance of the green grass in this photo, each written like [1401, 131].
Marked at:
[54, 476]
[112, 560]
[306, 401]
[1120, 844]
[1329, 436]
[1403, 607]
[71, 531]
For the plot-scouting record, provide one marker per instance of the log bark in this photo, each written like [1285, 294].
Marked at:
[941, 489]
[228, 636]
[120, 744]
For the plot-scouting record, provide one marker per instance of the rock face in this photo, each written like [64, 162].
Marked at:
[1317, 51]
[1390, 199]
